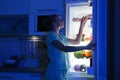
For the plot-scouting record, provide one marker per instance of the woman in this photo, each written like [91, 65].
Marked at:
[57, 48]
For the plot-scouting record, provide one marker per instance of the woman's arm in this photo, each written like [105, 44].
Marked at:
[78, 38]
[64, 48]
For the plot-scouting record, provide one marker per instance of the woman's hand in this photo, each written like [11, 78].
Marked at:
[83, 22]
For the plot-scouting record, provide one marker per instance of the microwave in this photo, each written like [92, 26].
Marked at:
[37, 25]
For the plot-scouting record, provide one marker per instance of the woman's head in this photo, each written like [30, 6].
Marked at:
[55, 21]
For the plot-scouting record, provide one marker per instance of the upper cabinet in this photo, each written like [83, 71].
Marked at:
[10, 7]
[14, 25]
[20, 17]
[37, 6]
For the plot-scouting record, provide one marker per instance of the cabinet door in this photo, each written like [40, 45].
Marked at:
[6, 76]
[36, 77]
[14, 25]
[26, 76]
[41, 5]
[8, 7]
[18, 76]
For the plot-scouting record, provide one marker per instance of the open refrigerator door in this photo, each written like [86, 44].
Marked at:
[80, 61]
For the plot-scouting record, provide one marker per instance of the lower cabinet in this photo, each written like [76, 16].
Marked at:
[36, 77]
[19, 76]
[10, 76]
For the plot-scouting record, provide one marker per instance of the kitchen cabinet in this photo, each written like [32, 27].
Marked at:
[8, 7]
[14, 25]
[39, 6]
[35, 76]
[10, 76]
[19, 76]
[31, 76]
[11, 25]
[13, 7]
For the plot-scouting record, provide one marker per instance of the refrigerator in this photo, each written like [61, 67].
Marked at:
[81, 62]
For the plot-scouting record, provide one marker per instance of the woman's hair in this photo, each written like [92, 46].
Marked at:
[51, 19]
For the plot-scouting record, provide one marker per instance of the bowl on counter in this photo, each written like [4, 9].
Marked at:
[12, 62]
